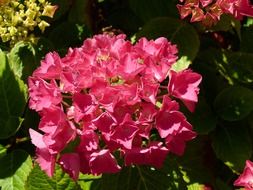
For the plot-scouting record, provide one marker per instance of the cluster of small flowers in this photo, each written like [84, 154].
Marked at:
[246, 178]
[107, 98]
[18, 18]
[209, 11]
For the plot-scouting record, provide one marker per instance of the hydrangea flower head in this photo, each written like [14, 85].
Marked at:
[19, 18]
[210, 11]
[104, 98]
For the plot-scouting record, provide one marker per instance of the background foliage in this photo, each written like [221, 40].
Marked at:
[223, 55]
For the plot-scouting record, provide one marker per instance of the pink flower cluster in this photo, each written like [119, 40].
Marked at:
[246, 178]
[209, 11]
[108, 98]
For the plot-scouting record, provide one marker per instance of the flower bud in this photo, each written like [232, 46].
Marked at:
[19, 18]
[49, 11]
[42, 25]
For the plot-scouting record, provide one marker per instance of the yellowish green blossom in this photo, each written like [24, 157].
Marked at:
[19, 18]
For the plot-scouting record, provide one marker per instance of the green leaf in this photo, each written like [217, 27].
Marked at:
[22, 59]
[232, 145]
[221, 185]
[238, 66]
[247, 39]
[228, 23]
[13, 97]
[235, 67]
[38, 180]
[44, 46]
[31, 120]
[91, 182]
[212, 83]
[68, 34]
[195, 186]
[196, 164]
[181, 64]
[3, 151]
[125, 19]
[178, 32]
[145, 178]
[148, 9]
[249, 22]
[203, 119]
[14, 170]
[78, 12]
[234, 103]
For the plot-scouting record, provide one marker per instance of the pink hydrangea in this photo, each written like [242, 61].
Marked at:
[246, 178]
[210, 11]
[108, 97]
[184, 85]
[43, 94]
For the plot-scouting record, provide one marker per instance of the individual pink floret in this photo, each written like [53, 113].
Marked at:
[153, 155]
[50, 68]
[45, 159]
[184, 85]
[43, 94]
[246, 178]
[70, 162]
[103, 162]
